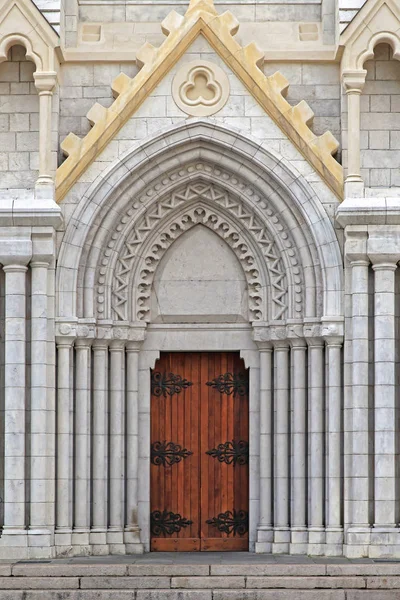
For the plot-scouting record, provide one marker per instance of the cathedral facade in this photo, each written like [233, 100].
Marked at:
[199, 292]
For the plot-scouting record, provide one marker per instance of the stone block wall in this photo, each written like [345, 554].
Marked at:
[19, 122]
[317, 84]
[82, 85]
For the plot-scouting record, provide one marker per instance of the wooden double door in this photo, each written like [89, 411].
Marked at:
[199, 452]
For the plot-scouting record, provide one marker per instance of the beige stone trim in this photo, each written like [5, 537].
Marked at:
[378, 21]
[201, 17]
[21, 23]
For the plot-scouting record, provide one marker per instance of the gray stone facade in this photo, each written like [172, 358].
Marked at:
[276, 182]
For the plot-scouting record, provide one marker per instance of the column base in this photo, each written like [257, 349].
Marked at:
[316, 541]
[98, 541]
[281, 541]
[357, 541]
[334, 541]
[265, 536]
[115, 541]
[132, 541]
[298, 540]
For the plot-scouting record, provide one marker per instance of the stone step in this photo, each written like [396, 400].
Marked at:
[152, 581]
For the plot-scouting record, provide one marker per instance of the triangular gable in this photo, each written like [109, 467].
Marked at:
[376, 22]
[200, 18]
[21, 22]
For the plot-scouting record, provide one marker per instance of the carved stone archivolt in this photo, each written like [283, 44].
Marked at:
[282, 266]
[132, 258]
[200, 88]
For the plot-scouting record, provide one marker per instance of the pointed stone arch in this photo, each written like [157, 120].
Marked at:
[271, 192]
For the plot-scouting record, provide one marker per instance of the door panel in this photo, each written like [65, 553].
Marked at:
[199, 452]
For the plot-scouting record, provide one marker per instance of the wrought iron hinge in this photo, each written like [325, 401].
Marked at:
[231, 383]
[231, 453]
[167, 453]
[235, 521]
[166, 522]
[163, 384]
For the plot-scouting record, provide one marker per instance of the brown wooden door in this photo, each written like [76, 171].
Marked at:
[199, 452]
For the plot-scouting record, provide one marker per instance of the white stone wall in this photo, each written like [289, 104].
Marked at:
[19, 122]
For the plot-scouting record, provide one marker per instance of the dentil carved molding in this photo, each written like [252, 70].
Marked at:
[200, 88]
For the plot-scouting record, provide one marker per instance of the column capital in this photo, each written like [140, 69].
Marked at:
[355, 247]
[65, 328]
[313, 333]
[43, 250]
[354, 81]
[45, 81]
[333, 330]
[101, 343]
[384, 265]
[15, 268]
[117, 345]
[64, 341]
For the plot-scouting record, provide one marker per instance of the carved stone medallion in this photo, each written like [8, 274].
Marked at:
[200, 88]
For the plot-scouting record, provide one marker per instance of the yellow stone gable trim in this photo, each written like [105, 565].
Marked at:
[200, 18]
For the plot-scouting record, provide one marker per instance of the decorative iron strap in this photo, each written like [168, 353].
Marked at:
[236, 522]
[231, 453]
[228, 383]
[167, 453]
[167, 523]
[163, 384]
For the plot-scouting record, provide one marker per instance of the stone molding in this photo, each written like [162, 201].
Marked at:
[85, 331]
[201, 17]
[132, 259]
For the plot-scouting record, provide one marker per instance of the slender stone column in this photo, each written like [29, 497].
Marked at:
[299, 534]
[281, 448]
[41, 504]
[316, 532]
[116, 525]
[359, 490]
[15, 403]
[386, 509]
[132, 531]
[99, 447]
[353, 82]
[264, 530]
[64, 442]
[82, 442]
[334, 528]
[45, 83]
